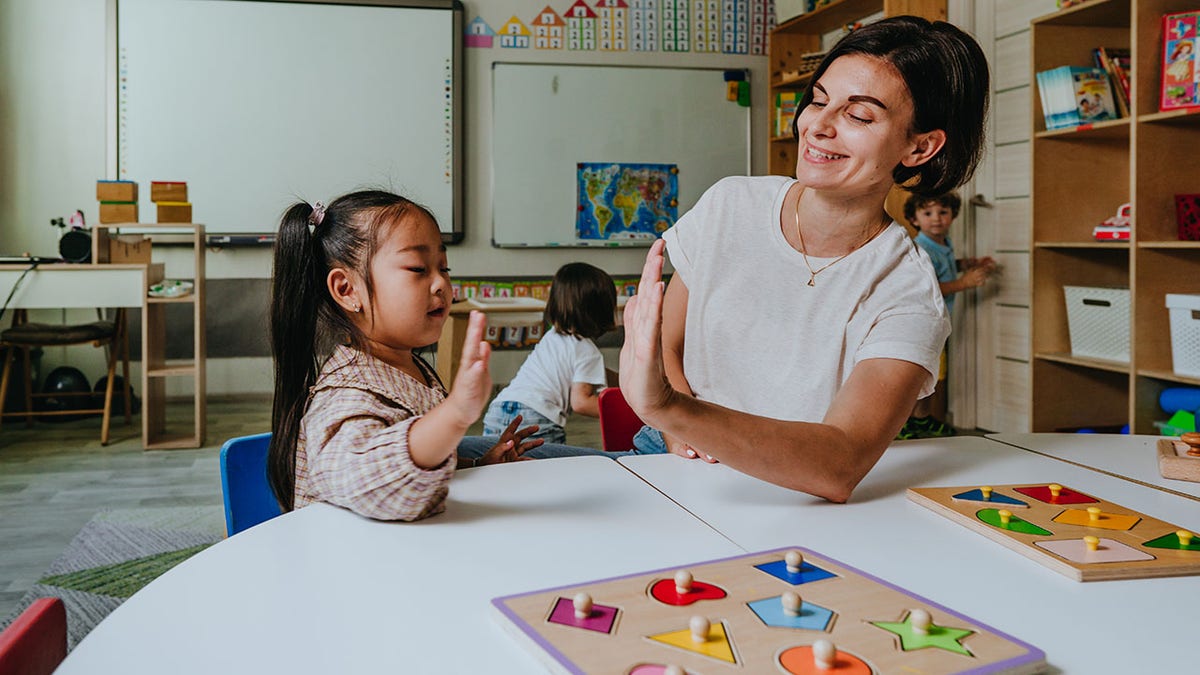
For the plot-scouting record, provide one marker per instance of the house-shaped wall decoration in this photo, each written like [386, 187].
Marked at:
[548, 29]
[479, 33]
[514, 34]
[612, 16]
[581, 26]
[676, 26]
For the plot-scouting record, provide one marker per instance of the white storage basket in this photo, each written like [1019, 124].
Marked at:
[1185, 333]
[1098, 321]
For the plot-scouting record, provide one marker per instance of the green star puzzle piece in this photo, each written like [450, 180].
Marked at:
[941, 637]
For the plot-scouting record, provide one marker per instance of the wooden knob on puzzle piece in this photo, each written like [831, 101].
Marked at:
[794, 561]
[583, 605]
[791, 603]
[1093, 513]
[824, 655]
[921, 621]
[674, 670]
[1005, 516]
[1185, 537]
[1092, 543]
[699, 626]
[987, 492]
[1055, 490]
[683, 582]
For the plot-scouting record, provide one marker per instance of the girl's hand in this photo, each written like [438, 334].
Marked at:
[643, 380]
[473, 383]
[512, 444]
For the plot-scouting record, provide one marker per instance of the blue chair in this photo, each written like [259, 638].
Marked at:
[248, 496]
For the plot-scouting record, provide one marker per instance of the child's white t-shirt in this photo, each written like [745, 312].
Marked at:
[544, 380]
[758, 339]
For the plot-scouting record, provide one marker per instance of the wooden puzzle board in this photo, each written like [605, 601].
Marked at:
[1051, 530]
[638, 627]
[1175, 462]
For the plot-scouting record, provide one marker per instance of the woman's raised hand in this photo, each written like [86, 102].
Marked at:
[643, 380]
[473, 383]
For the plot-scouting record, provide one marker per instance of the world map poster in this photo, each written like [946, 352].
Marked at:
[623, 202]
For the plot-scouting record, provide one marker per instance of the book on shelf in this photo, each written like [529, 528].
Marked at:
[1073, 95]
[1180, 74]
[1116, 62]
[785, 110]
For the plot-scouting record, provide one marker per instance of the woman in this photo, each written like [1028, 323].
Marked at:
[802, 324]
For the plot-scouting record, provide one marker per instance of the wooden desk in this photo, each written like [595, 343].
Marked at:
[321, 590]
[70, 286]
[1133, 458]
[1082, 627]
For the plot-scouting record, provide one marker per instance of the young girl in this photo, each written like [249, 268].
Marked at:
[566, 370]
[373, 430]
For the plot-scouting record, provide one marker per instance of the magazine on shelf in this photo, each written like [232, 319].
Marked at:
[1179, 67]
[1074, 95]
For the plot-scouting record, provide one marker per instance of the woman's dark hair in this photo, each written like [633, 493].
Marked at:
[947, 75]
[304, 316]
[950, 200]
[582, 302]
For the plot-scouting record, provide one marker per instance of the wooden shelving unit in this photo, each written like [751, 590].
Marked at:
[107, 240]
[802, 35]
[1080, 177]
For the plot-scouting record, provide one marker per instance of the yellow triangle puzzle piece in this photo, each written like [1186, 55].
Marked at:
[717, 646]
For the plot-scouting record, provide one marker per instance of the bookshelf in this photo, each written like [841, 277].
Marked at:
[801, 35]
[1079, 177]
[109, 244]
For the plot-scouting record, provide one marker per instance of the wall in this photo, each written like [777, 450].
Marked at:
[52, 149]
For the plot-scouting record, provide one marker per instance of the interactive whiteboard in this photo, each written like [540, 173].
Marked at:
[586, 155]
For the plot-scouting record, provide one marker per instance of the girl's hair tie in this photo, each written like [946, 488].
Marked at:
[318, 214]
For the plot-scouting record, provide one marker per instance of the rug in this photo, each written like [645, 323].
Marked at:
[117, 553]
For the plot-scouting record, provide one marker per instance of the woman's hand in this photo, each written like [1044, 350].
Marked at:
[512, 444]
[678, 447]
[473, 383]
[643, 380]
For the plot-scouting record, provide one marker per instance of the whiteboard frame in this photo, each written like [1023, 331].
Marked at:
[457, 231]
[605, 244]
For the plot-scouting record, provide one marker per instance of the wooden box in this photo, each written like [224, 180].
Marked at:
[174, 212]
[168, 191]
[118, 212]
[116, 191]
[129, 248]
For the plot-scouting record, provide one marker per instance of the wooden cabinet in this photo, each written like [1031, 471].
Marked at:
[1079, 178]
[794, 38]
[110, 244]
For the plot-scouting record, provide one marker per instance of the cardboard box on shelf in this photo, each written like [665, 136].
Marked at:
[118, 212]
[116, 191]
[168, 191]
[174, 212]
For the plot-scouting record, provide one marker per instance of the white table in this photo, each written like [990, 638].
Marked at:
[1098, 627]
[321, 590]
[1134, 458]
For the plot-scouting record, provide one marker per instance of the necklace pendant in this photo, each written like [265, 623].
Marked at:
[812, 280]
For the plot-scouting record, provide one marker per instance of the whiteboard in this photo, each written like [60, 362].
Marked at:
[548, 119]
[258, 104]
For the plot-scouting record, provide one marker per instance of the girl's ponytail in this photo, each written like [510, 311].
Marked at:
[295, 303]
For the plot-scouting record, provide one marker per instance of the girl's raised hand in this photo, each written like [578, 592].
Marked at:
[473, 383]
[643, 379]
[512, 444]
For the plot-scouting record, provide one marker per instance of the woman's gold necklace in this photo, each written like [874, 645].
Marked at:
[812, 274]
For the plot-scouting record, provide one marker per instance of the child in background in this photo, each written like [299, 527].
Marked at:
[566, 371]
[933, 216]
[373, 430]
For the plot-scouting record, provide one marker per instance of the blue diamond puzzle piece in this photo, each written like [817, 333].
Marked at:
[976, 495]
[808, 572]
[811, 617]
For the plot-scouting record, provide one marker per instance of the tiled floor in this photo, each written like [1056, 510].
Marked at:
[55, 477]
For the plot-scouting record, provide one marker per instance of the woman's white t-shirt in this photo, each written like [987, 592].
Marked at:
[760, 340]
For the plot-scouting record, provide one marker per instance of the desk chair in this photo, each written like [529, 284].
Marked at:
[23, 336]
[36, 642]
[618, 422]
[248, 496]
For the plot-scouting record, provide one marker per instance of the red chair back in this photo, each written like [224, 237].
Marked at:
[36, 642]
[618, 422]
